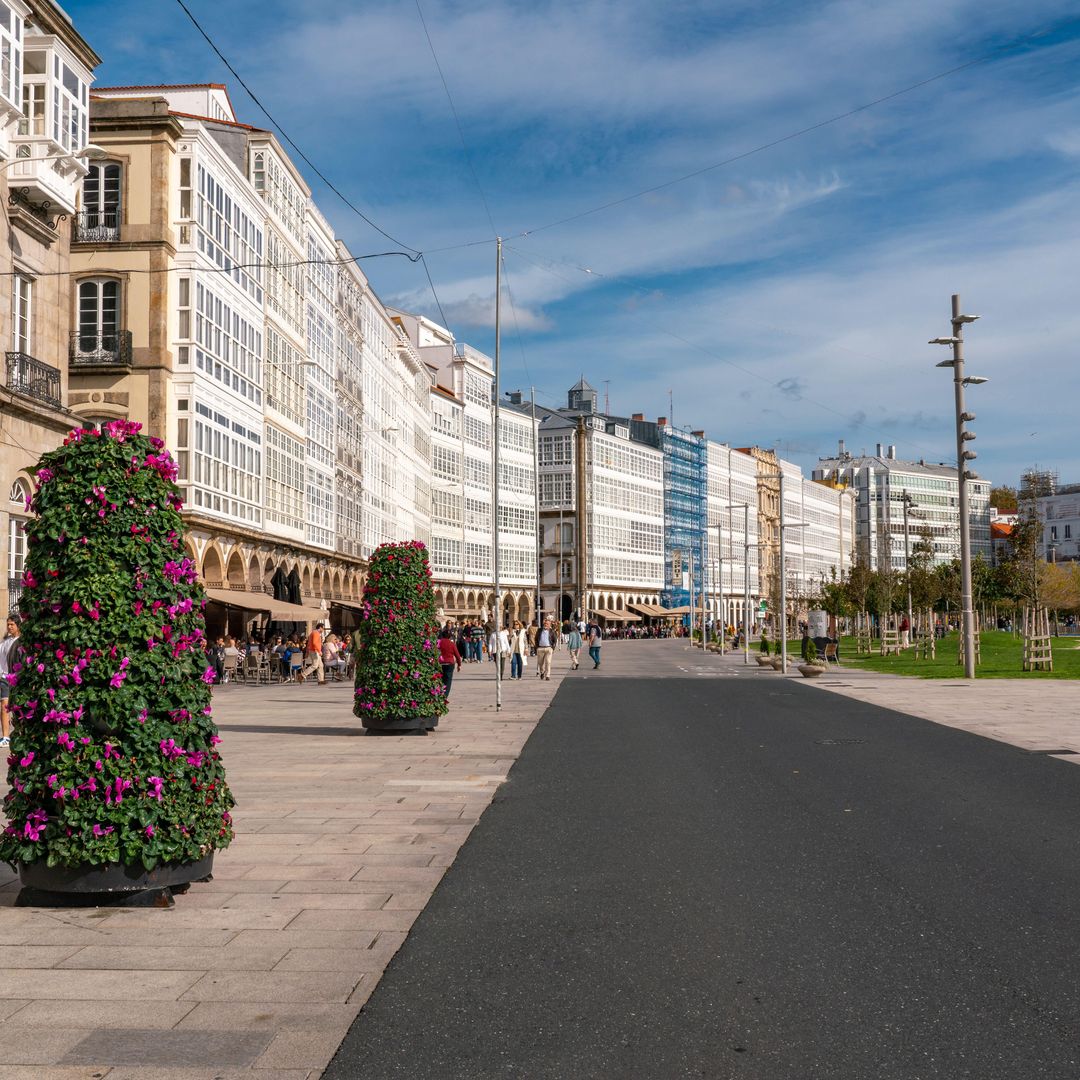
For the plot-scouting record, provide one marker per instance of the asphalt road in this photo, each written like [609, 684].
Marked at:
[746, 878]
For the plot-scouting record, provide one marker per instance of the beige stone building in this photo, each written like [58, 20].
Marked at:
[45, 76]
[173, 326]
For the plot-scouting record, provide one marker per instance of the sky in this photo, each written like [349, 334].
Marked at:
[672, 229]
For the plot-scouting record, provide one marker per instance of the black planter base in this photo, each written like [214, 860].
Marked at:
[113, 885]
[418, 725]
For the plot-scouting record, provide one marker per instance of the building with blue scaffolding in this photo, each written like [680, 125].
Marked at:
[685, 455]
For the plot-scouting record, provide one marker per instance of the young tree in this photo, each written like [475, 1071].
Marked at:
[114, 755]
[398, 680]
[1003, 499]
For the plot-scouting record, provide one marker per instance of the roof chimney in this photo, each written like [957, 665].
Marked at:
[514, 396]
[638, 416]
[699, 434]
[892, 452]
[880, 450]
[661, 421]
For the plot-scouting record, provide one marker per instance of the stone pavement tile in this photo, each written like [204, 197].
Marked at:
[270, 1016]
[367, 859]
[290, 872]
[273, 986]
[129, 937]
[312, 939]
[386, 888]
[13, 1006]
[56, 1072]
[269, 884]
[407, 901]
[173, 958]
[139, 1072]
[38, 1046]
[297, 901]
[108, 985]
[95, 1014]
[35, 956]
[196, 918]
[418, 875]
[302, 1049]
[149, 1047]
[366, 961]
[225, 869]
[337, 919]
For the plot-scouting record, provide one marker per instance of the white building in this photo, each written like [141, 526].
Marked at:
[880, 482]
[463, 482]
[732, 485]
[623, 511]
[299, 409]
[1060, 515]
[821, 541]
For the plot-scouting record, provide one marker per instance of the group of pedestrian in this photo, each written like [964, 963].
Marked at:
[517, 643]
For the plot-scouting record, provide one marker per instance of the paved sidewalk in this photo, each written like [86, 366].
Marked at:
[341, 841]
[1036, 715]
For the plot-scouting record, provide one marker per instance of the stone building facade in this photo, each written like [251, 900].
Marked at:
[44, 155]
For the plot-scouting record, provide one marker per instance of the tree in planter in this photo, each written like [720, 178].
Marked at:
[113, 757]
[398, 680]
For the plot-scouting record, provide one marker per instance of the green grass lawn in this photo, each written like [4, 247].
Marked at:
[1002, 654]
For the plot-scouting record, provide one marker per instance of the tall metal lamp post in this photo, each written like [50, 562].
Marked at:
[963, 474]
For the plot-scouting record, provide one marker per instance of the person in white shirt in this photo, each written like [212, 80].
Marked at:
[519, 651]
[499, 644]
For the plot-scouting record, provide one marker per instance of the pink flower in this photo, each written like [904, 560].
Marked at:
[208, 675]
[149, 830]
[99, 831]
[28, 760]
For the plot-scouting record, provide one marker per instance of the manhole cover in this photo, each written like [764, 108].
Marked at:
[838, 742]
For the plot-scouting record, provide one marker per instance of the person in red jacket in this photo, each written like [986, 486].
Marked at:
[449, 658]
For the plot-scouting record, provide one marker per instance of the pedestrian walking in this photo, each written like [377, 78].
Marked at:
[313, 656]
[573, 645]
[545, 646]
[449, 659]
[9, 655]
[499, 646]
[596, 639]
[519, 650]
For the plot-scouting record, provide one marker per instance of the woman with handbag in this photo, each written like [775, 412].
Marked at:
[519, 650]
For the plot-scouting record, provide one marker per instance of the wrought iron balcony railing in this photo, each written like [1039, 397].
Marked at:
[112, 348]
[15, 591]
[31, 377]
[96, 227]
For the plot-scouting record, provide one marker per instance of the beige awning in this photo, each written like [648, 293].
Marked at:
[655, 611]
[278, 610]
[616, 616]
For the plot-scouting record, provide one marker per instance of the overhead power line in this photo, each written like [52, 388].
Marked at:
[285, 135]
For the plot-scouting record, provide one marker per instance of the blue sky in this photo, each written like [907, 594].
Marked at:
[784, 299]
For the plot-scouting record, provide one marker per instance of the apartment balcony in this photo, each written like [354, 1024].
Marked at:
[32, 378]
[100, 350]
[44, 178]
[96, 227]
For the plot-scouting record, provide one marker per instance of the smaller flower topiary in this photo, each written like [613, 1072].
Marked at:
[114, 753]
[764, 646]
[398, 683]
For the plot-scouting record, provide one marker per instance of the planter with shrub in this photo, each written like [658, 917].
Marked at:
[116, 784]
[399, 685]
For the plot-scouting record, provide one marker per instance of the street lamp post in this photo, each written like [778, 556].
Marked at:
[909, 503]
[963, 474]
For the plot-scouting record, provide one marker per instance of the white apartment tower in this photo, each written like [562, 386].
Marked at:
[882, 483]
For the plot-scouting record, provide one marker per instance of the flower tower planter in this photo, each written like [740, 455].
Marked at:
[398, 680]
[116, 785]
